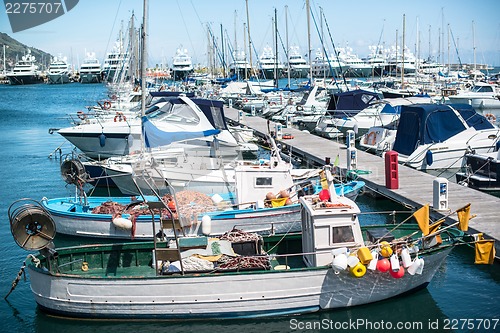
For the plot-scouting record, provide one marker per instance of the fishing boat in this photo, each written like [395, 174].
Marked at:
[332, 263]
[262, 199]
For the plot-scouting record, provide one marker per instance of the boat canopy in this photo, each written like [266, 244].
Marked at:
[421, 124]
[349, 103]
[155, 137]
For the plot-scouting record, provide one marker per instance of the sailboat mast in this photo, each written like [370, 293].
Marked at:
[249, 39]
[403, 55]
[287, 47]
[474, 43]
[276, 48]
[309, 39]
[143, 58]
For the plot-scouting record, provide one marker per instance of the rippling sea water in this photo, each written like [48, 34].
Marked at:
[459, 290]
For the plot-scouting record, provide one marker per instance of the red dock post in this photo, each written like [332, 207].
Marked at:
[391, 170]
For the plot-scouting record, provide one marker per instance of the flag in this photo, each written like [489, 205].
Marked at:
[435, 226]
[336, 162]
[485, 251]
[422, 217]
[464, 217]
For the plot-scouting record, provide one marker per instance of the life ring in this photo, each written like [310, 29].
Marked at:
[299, 108]
[245, 100]
[106, 105]
[491, 117]
[81, 115]
[371, 138]
[119, 117]
[359, 270]
[272, 103]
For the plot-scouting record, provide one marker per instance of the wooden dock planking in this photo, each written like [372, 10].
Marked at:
[415, 187]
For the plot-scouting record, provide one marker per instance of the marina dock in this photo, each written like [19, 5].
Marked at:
[415, 187]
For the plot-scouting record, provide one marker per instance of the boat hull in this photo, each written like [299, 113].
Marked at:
[221, 295]
[24, 79]
[73, 220]
[90, 78]
[58, 78]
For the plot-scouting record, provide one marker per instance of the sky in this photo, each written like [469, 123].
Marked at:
[93, 25]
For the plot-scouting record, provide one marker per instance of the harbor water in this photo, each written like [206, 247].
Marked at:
[462, 297]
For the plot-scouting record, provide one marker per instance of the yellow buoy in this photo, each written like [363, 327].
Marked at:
[385, 249]
[359, 270]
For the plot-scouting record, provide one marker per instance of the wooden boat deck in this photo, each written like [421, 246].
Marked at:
[415, 187]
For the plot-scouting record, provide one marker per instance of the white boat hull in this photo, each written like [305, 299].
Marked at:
[233, 295]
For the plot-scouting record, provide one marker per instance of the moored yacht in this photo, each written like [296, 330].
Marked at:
[25, 71]
[182, 64]
[437, 136]
[356, 66]
[327, 66]
[90, 69]
[59, 71]
[299, 68]
[480, 96]
[116, 63]
[240, 66]
[268, 64]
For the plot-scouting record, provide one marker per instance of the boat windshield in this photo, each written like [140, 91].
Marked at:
[176, 113]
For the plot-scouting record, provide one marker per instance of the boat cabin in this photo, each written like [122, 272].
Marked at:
[327, 226]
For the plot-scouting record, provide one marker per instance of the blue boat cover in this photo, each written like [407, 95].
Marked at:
[349, 103]
[432, 123]
[154, 137]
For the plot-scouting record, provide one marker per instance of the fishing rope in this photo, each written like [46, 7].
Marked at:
[21, 272]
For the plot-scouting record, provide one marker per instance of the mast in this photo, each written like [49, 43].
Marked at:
[287, 47]
[474, 44]
[223, 55]
[309, 40]
[249, 39]
[244, 48]
[143, 62]
[276, 48]
[143, 58]
[403, 55]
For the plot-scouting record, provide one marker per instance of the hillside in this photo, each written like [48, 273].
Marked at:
[15, 49]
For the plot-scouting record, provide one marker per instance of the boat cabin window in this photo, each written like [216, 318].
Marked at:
[218, 118]
[484, 89]
[263, 181]
[177, 113]
[342, 234]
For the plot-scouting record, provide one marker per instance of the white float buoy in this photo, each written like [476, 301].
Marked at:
[206, 225]
[122, 223]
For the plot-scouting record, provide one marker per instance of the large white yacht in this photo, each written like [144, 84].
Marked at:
[25, 71]
[323, 66]
[59, 71]
[90, 69]
[268, 64]
[116, 63]
[182, 64]
[299, 68]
